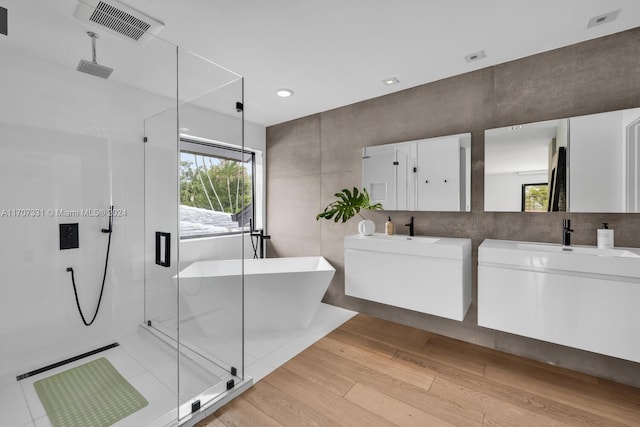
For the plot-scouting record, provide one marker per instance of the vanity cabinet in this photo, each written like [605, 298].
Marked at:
[584, 298]
[427, 274]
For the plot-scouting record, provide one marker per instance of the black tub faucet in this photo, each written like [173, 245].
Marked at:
[566, 232]
[410, 225]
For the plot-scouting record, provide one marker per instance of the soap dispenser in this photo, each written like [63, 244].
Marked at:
[388, 227]
[605, 237]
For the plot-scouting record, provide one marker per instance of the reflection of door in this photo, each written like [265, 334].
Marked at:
[633, 166]
[439, 175]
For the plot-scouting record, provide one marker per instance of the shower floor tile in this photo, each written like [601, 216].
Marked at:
[297, 345]
[260, 344]
[139, 359]
[273, 349]
[13, 408]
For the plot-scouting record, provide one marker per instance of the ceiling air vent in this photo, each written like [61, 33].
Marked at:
[118, 18]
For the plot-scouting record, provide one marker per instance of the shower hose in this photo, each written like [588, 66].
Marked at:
[104, 275]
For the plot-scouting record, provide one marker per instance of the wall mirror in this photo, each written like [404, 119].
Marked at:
[577, 164]
[432, 174]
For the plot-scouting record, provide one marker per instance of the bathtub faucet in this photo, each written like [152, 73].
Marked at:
[258, 246]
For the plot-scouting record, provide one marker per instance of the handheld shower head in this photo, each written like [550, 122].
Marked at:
[92, 67]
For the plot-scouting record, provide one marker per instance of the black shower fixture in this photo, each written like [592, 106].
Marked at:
[4, 21]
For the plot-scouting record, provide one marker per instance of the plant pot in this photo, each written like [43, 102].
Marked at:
[366, 227]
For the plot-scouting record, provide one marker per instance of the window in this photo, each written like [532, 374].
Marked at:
[216, 189]
[535, 197]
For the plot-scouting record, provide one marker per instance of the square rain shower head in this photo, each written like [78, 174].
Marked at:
[94, 69]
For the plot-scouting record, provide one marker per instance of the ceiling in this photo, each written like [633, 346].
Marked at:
[333, 53]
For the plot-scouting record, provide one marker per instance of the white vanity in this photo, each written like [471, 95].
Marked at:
[426, 274]
[583, 297]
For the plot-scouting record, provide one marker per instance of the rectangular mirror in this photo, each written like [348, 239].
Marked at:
[432, 174]
[578, 164]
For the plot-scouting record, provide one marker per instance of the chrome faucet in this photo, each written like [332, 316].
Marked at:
[566, 232]
[410, 225]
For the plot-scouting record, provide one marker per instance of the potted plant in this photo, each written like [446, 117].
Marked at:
[347, 205]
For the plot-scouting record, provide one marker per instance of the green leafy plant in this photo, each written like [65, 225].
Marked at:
[349, 204]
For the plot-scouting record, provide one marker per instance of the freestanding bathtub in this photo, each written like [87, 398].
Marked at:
[279, 293]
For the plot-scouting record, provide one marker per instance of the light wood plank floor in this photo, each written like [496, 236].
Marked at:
[370, 372]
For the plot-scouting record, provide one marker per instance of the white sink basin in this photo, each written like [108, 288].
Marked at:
[401, 237]
[581, 250]
[437, 247]
[549, 256]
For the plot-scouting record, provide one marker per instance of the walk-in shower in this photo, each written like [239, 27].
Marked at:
[101, 157]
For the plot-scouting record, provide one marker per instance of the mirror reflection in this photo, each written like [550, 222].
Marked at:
[579, 164]
[432, 174]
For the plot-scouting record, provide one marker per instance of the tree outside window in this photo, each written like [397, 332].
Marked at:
[535, 197]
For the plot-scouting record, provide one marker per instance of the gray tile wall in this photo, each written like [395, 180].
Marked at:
[311, 158]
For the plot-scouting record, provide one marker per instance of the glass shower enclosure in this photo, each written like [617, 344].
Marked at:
[80, 133]
[196, 308]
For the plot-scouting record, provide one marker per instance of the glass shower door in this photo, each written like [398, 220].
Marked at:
[194, 277]
[210, 277]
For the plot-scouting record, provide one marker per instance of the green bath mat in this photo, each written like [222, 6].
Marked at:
[93, 394]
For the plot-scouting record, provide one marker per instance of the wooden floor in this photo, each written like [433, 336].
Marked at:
[370, 372]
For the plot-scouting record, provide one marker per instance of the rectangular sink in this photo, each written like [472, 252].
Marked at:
[581, 250]
[438, 247]
[401, 237]
[623, 262]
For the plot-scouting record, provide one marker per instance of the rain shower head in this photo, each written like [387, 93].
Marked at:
[92, 67]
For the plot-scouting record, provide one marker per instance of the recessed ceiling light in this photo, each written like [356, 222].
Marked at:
[603, 19]
[284, 93]
[390, 81]
[475, 56]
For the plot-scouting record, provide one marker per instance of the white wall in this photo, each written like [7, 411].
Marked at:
[503, 191]
[66, 141]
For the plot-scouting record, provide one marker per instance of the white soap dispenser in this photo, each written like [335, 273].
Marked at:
[605, 237]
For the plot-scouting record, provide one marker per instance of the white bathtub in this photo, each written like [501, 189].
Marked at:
[280, 293]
